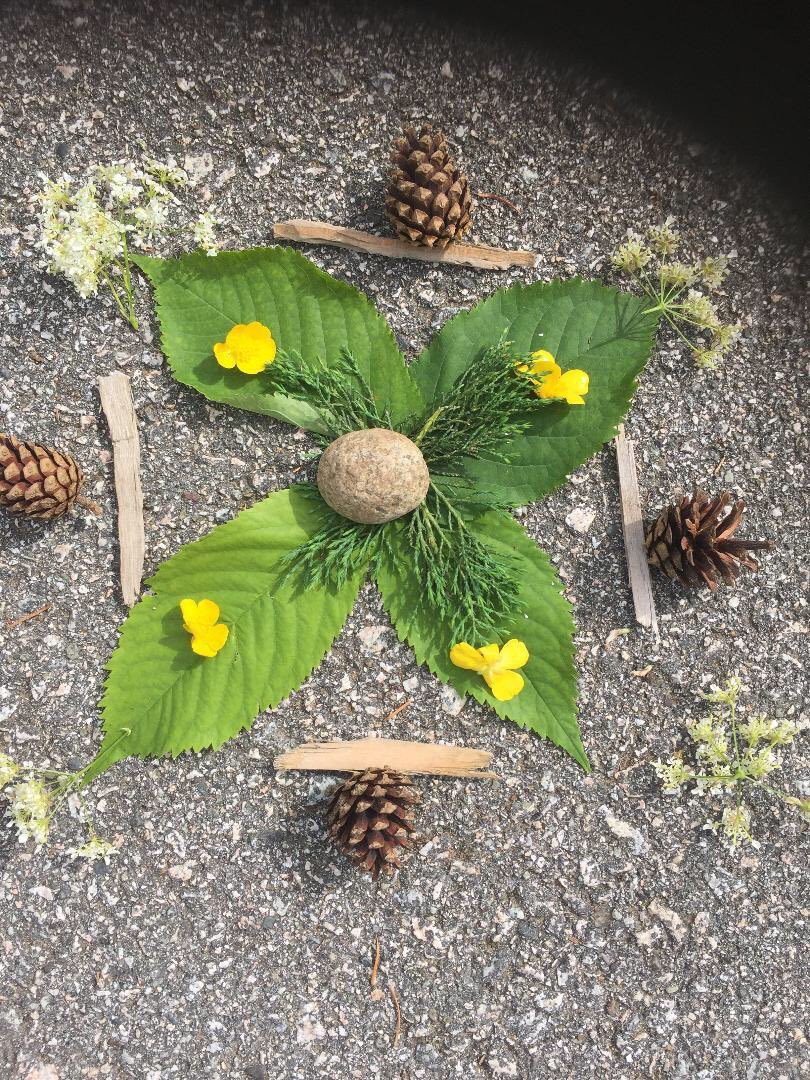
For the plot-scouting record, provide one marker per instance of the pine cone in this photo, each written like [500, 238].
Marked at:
[428, 200]
[691, 541]
[370, 818]
[37, 481]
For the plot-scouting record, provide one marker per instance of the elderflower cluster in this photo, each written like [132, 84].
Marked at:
[30, 803]
[8, 770]
[673, 288]
[731, 755]
[203, 232]
[88, 228]
[33, 796]
[79, 235]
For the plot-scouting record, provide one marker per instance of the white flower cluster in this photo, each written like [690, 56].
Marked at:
[80, 237]
[87, 229]
[647, 260]
[203, 233]
[729, 755]
[30, 811]
[8, 770]
[33, 795]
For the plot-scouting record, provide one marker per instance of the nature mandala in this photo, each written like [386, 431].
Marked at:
[420, 466]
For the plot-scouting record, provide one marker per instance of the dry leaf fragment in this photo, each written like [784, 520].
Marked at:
[642, 673]
[615, 634]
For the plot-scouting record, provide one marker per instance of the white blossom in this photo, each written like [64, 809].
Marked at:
[8, 770]
[203, 233]
[30, 811]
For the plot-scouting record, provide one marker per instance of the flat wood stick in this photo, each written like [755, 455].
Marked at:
[434, 759]
[637, 566]
[320, 232]
[119, 408]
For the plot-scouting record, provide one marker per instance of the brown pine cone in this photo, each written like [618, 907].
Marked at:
[370, 818]
[37, 481]
[692, 541]
[428, 199]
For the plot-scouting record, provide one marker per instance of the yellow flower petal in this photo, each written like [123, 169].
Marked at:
[575, 386]
[465, 656]
[209, 640]
[504, 684]
[225, 357]
[543, 363]
[514, 654]
[490, 653]
[571, 387]
[207, 613]
[189, 612]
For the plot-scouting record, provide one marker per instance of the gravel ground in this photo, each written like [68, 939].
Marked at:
[553, 925]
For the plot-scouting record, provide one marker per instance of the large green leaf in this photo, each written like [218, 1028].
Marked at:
[584, 325]
[547, 703]
[200, 298]
[173, 700]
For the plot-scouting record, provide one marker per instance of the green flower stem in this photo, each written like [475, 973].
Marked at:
[126, 270]
[128, 315]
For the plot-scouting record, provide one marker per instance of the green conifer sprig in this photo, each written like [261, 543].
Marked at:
[489, 403]
[338, 392]
[473, 588]
[335, 553]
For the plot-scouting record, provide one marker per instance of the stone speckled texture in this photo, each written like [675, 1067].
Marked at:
[373, 476]
[553, 925]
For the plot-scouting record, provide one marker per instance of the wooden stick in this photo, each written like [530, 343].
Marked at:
[637, 567]
[398, 1014]
[119, 408]
[320, 232]
[434, 759]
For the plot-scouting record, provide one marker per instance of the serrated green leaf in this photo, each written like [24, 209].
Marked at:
[547, 704]
[173, 700]
[584, 325]
[200, 298]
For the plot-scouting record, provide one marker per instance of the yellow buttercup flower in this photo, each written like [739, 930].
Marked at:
[496, 665]
[571, 385]
[208, 634]
[553, 382]
[249, 347]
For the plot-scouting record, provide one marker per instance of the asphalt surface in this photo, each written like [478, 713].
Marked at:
[553, 924]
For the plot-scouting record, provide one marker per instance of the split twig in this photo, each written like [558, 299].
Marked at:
[397, 1010]
[502, 199]
[432, 759]
[12, 624]
[119, 408]
[480, 257]
[637, 566]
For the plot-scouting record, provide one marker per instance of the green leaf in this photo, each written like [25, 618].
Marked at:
[200, 298]
[547, 703]
[173, 700]
[584, 325]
